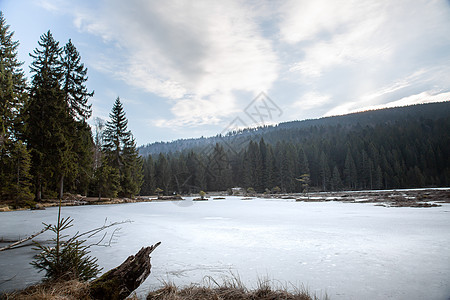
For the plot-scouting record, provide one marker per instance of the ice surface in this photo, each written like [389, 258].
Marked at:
[347, 250]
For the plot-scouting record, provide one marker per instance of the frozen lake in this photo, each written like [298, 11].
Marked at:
[346, 250]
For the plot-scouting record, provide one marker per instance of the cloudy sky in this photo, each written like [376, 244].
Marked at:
[190, 68]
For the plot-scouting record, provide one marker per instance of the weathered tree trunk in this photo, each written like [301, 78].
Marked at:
[61, 187]
[119, 282]
[38, 196]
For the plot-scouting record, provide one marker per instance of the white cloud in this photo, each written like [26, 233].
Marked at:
[311, 100]
[339, 32]
[174, 49]
[195, 111]
[421, 98]
[53, 6]
[304, 20]
[364, 34]
[414, 78]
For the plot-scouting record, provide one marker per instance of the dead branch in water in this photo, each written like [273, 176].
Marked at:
[25, 239]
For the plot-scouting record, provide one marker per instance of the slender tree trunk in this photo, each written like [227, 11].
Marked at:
[18, 182]
[61, 186]
[38, 188]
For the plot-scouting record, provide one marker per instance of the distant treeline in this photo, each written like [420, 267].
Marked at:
[393, 148]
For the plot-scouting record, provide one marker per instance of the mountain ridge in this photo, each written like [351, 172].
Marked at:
[354, 120]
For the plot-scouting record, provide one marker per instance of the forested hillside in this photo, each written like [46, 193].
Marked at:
[390, 148]
[367, 118]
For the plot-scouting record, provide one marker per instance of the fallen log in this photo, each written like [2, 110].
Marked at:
[121, 281]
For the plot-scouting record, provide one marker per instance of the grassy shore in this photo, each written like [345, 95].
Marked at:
[230, 289]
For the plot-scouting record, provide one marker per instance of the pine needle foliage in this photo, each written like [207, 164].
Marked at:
[66, 258]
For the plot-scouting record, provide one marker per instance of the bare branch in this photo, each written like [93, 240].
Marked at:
[95, 231]
[7, 280]
[25, 239]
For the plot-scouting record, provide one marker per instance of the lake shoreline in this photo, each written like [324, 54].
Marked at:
[420, 198]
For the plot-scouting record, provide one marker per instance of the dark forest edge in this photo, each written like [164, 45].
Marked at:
[406, 147]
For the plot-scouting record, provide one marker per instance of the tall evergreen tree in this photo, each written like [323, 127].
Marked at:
[14, 157]
[116, 135]
[219, 169]
[132, 170]
[12, 83]
[83, 150]
[121, 153]
[180, 174]
[163, 173]
[336, 183]
[350, 174]
[148, 187]
[43, 115]
[324, 171]
[75, 90]
[15, 176]
[78, 132]
[267, 161]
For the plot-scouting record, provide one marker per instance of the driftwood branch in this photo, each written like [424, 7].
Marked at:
[25, 239]
[95, 231]
[119, 282]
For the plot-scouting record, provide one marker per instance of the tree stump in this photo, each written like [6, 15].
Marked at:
[118, 283]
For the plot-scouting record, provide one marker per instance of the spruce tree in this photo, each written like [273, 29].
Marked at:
[12, 82]
[121, 152]
[148, 186]
[14, 157]
[336, 183]
[43, 115]
[78, 132]
[83, 155]
[324, 171]
[132, 170]
[219, 169]
[116, 135]
[350, 173]
[75, 90]
[192, 161]
[267, 164]
[163, 173]
[15, 175]
[180, 173]
[106, 180]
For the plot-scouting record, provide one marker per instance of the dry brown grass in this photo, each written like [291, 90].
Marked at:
[64, 290]
[230, 289]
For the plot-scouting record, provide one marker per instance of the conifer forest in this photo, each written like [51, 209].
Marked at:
[47, 147]
[407, 147]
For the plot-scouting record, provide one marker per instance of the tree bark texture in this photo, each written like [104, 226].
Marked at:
[119, 282]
